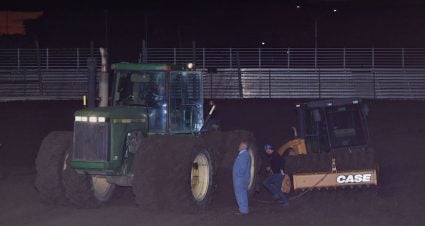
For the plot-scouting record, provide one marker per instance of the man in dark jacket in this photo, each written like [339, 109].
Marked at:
[274, 182]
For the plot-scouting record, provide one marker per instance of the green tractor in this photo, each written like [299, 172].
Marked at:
[156, 110]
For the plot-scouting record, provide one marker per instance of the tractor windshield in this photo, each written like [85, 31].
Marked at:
[144, 88]
[140, 88]
[345, 127]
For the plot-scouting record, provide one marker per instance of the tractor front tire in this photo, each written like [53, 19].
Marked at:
[86, 191]
[50, 167]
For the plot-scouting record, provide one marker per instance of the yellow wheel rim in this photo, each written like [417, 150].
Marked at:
[65, 165]
[200, 176]
[101, 187]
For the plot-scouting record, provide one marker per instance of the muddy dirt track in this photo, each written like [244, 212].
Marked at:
[397, 131]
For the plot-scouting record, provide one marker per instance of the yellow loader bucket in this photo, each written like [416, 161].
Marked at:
[335, 179]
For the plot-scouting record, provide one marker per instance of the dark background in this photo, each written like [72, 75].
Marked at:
[122, 25]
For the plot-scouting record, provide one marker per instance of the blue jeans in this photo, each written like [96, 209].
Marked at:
[241, 192]
[274, 183]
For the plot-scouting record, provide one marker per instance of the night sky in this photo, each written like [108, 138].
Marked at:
[357, 23]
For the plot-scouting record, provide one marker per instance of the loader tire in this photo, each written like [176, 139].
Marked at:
[83, 190]
[50, 164]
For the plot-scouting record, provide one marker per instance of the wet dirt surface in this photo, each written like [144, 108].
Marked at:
[397, 131]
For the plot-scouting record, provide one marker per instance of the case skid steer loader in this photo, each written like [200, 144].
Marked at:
[330, 148]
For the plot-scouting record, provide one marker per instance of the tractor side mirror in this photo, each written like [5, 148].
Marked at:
[212, 105]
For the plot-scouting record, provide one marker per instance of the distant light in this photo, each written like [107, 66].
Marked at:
[298, 6]
[190, 65]
[335, 10]
[263, 43]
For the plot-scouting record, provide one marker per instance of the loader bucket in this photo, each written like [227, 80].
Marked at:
[319, 180]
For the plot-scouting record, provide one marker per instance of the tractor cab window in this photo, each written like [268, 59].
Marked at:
[345, 127]
[316, 131]
[144, 88]
[140, 88]
[186, 114]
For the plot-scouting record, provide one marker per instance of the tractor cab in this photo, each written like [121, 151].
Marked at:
[333, 125]
[171, 96]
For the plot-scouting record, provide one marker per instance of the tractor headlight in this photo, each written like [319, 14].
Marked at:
[92, 119]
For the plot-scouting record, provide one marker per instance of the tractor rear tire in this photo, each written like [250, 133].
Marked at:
[50, 167]
[254, 170]
[86, 191]
[201, 178]
[162, 172]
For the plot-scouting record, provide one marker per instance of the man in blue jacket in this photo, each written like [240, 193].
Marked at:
[241, 177]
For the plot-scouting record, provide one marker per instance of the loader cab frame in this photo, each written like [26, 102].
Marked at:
[333, 125]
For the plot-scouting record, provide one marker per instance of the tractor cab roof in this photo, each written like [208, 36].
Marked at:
[148, 67]
[329, 103]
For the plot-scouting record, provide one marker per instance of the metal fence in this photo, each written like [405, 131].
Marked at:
[316, 83]
[54, 84]
[46, 59]
[233, 72]
[44, 73]
[290, 57]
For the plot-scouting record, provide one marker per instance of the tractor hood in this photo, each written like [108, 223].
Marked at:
[116, 112]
